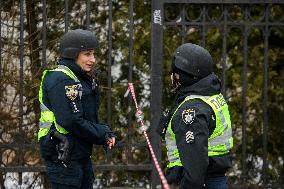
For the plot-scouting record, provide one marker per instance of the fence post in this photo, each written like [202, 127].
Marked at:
[156, 81]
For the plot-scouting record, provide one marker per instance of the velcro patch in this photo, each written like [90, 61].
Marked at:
[72, 91]
[188, 116]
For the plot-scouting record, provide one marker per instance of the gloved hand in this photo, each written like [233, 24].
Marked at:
[62, 147]
[174, 174]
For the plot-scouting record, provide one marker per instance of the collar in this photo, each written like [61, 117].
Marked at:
[75, 68]
[207, 86]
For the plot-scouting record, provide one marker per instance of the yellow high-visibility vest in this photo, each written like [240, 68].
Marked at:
[221, 140]
[47, 117]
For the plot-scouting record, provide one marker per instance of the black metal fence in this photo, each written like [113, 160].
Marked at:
[15, 148]
[199, 18]
[188, 18]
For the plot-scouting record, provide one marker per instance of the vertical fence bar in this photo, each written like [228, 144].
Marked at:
[88, 6]
[66, 17]
[130, 78]
[130, 49]
[44, 19]
[224, 51]
[156, 81]
[203, 43]
[265, 95]
[109, 78]
[109, 82]
[21, 81]
[244, 101]
[282, 172]
[1, 4]
[183, 28]
[21, 86]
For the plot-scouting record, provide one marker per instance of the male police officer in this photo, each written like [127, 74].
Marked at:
[69, 124]
[197, 129]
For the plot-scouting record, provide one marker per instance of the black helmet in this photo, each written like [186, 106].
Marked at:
[193, 60]
[75, 41]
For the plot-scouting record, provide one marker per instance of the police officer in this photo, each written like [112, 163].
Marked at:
[69, 124]
[197, 129]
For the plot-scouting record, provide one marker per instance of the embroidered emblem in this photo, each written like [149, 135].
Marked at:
[188, 116]
[72, 91]
[189, 137]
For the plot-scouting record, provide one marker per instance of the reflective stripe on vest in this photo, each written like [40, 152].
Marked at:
[47, 117]
[172, 150]
[220, 142]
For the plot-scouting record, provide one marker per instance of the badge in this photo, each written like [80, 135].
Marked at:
[72, 91]
[189, 137]
[188, 116]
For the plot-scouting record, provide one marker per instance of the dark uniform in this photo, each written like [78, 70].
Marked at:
[74, 103]
[198, 151]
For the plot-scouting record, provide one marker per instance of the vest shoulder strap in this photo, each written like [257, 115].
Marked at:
[60, 68]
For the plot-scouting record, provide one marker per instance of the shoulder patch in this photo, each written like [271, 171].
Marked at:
[72, 91]
[188, 116]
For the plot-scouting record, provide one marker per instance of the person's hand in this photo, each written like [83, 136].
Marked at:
[110, 139]
[174, 174]
[110, 142]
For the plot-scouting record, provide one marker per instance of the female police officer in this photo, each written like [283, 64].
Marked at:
[69, 124]
[197, 130]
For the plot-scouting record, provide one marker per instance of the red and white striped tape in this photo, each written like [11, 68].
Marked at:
[140, 119]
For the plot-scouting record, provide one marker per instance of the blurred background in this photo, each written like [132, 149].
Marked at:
[137, 39]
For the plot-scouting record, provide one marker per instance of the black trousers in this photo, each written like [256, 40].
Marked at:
[77, 175]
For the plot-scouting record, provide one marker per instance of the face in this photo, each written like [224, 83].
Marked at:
[86, 60]
[172, 77]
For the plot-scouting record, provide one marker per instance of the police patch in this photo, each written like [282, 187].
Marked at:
[72, 91]
[188, 116]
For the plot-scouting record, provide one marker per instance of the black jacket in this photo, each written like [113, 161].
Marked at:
[79, 116]
[192, 136]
